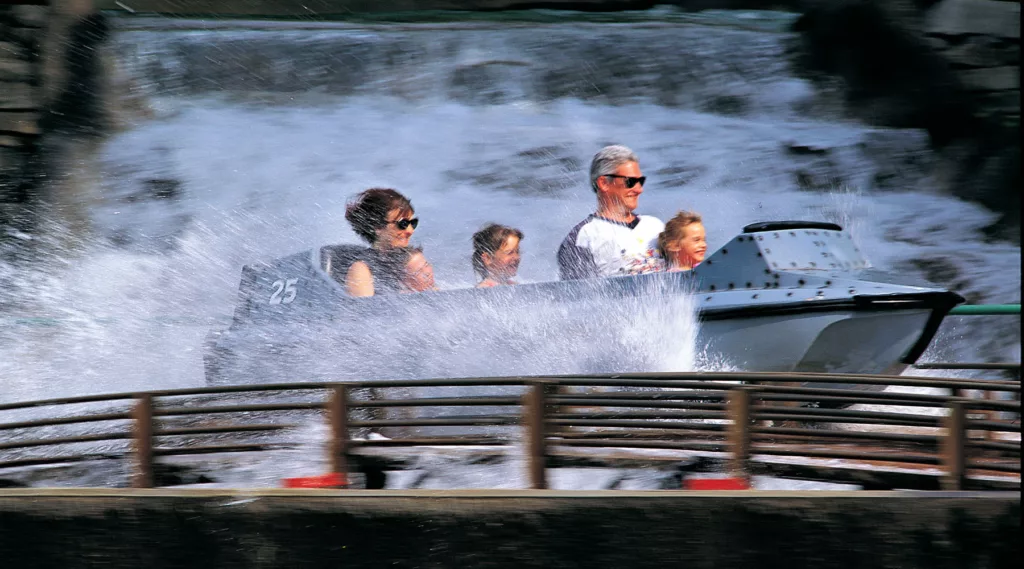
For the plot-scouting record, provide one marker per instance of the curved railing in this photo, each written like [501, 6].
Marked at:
[745, 423]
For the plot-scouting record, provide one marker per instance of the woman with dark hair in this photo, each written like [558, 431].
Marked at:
[496, 255]
[386, 220]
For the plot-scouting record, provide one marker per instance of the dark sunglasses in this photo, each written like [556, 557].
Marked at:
[630, 181]
[403, 224]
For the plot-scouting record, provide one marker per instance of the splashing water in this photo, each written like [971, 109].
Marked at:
[139, 259]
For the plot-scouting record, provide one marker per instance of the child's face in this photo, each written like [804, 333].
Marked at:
[504, 263]
[419, 275]
[691, 249]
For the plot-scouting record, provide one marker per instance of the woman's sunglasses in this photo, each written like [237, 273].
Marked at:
[630, 180]
[403, 224]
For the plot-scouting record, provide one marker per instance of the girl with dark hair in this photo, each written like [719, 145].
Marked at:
[496, 255]
[386, 220]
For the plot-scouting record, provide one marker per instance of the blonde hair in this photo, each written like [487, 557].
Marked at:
[675, 229]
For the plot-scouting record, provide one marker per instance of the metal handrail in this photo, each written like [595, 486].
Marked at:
[985, 310]
[552, 415]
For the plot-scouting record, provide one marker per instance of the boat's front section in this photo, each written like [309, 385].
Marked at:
[800, 296]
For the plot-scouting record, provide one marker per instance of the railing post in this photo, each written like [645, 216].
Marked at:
[738, 410]
[993, 416]
[337, 420]
[534, 404]
[954, 447]
[142, 441]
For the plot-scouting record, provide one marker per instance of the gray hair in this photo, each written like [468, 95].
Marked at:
[607, 161]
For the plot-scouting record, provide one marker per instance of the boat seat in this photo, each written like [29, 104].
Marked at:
[336, 259]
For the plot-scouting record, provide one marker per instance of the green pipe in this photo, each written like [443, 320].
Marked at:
[985, 309]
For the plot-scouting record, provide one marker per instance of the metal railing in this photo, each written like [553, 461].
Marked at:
[746, 421]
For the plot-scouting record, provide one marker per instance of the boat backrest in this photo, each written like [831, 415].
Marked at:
[292, 287]
[335, 260]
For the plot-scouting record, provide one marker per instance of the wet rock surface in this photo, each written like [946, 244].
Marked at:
[512, 529]
[949, 67]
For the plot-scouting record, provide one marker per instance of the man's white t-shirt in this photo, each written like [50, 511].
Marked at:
[599, 247]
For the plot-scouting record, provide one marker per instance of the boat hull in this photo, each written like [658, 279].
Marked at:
[781, 297]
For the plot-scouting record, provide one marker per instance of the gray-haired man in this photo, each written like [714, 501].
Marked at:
[612, 241]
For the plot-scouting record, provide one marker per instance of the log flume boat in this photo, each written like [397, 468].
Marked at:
[787, 296]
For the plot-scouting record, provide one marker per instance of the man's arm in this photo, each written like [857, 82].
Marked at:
[575, 262]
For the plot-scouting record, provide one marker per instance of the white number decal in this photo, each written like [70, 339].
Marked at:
[283, 286]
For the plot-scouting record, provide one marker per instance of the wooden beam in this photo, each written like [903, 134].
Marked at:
[337, 417]
[142, 437]
[534, 411]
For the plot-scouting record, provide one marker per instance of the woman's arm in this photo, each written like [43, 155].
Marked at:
[359, 280]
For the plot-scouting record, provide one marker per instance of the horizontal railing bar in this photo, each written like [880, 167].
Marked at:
[997, 426]
[43, 461]
[969, 366]
[849, 400]
[805, 439]
[714, 379]
[995, 445]
[473, 441]
[631, 403]
[66, 440]
[989, 405]
[213, 449]
[439, 402]
[638, 424]
[781, 393]
[858, 435]
[178, 411]
[893, 399]
[663, 379]
[676, 434]
[759, 412]
[480, 421]
[223, 429]
[994, 467]
[243, 388]
[66, 401]
[594, 399]
[653, 415]
[848, 455]
[841, 419]
[1010, 387]
[667, 445]
[65, 421]
[675, 394]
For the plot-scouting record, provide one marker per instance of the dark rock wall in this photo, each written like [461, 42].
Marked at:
[951, 67]
[51, 86]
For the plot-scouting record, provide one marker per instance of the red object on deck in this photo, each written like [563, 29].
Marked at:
[715, 484]
[330, 480]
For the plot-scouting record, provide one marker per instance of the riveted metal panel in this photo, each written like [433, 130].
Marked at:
[810, 249]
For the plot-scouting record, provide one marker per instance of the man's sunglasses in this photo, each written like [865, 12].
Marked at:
[630, 180]
[403, 224]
